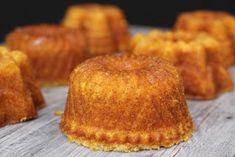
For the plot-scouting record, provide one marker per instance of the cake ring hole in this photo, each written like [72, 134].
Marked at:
[126, 64]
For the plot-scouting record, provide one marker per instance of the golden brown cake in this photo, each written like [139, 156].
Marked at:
[197, 57]
[105, 27]
[126, 103]
[220, 25]
[20, 96]
[53, 50]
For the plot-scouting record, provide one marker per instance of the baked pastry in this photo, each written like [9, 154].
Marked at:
[20, 96]
[218, 24]
[104, 26]
[126, 103]
[53, 50]
[197, 57]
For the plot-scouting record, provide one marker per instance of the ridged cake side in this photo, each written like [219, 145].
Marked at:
[197, 57]
[220, 25]
[105, 27]
[29, 77]
[53, 50]
[20, 97]
[16, 104]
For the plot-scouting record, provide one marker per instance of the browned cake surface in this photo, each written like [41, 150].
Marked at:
[197, 57]
[220, 25]
[105, 27]
[19, 94]
[126, 103]
[53, 50]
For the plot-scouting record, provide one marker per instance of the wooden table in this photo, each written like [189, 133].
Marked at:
[214, 135]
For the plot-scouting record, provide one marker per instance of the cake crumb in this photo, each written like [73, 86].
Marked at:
[58, 113]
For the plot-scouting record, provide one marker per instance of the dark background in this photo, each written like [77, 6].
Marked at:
[160, 13]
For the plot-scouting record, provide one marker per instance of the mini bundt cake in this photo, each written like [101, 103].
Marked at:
[104, 26]
[20, 97]
[53, 50]
[220, 25]
[126, 103]
[197, 57]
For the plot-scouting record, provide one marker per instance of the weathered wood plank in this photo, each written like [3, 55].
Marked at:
[214, 134]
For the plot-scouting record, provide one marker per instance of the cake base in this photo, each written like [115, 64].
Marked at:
[98, 139]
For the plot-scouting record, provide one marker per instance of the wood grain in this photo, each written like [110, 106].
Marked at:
[214, 134]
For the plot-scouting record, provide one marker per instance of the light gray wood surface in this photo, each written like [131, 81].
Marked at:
[214, 135]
